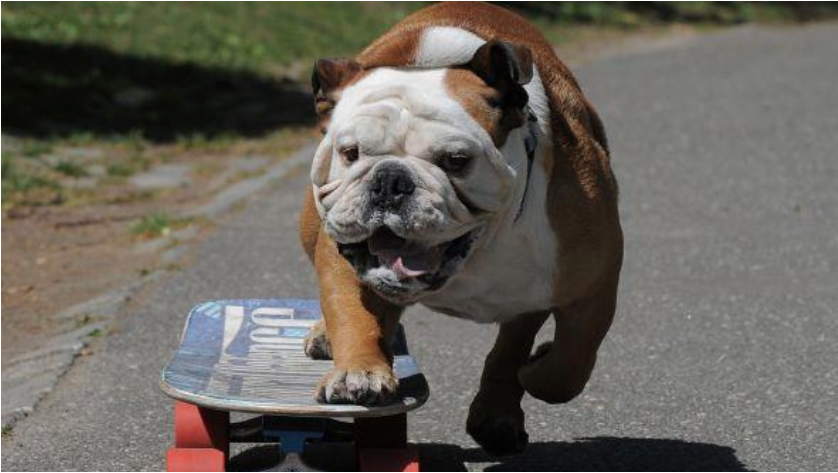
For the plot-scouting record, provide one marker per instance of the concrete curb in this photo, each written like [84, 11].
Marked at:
[29, 378]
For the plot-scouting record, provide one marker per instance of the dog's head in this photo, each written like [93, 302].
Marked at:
[410, 169]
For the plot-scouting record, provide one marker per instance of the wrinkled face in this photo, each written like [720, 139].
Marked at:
[405, 179]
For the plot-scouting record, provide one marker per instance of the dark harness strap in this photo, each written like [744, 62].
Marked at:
[530, 145]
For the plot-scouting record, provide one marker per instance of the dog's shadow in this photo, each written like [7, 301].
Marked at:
[591, 454]
[586, 454]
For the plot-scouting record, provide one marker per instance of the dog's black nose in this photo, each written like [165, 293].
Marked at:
[390, 186]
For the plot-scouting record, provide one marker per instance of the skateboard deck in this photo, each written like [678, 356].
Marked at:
[247, 355]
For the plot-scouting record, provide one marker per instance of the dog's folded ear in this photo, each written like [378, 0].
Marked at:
[505, 67]
[329, 76]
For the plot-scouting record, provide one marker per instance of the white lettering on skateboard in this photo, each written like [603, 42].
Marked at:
[267, 349]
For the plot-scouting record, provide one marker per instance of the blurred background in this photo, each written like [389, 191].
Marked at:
[127, 128]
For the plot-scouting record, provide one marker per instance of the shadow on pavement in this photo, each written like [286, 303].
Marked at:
[591, 454]
[586, 454]
[54, 90]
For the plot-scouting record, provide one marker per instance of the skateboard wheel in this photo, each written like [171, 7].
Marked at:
[195, 459]
[389, 459]
[198, 427]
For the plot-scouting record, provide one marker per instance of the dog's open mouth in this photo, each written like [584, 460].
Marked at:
[407, 259]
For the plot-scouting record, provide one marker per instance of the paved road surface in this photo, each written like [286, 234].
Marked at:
[724, 354]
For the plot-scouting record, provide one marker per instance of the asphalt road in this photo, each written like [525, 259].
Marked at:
[724, 354]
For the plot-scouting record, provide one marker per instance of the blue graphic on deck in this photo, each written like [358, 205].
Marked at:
[234, 327]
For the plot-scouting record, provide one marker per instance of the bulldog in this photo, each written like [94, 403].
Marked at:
[461, 167]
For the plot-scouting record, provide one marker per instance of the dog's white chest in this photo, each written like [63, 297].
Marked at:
[514, 278]
[511, 275]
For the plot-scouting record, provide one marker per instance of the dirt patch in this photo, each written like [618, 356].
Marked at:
[90, 231]
[54, 258]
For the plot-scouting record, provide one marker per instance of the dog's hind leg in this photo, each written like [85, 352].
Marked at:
[495, 418]
[559, 370]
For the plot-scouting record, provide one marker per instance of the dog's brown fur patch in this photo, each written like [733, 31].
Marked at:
[475, 96]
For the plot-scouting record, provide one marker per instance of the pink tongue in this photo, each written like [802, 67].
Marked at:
[413, 264]
[403, 270]
[406, 259]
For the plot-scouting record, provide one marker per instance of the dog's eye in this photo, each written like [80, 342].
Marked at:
[350, 154]
[453, 162]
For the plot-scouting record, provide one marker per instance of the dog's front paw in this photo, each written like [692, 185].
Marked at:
[497, 425]
[316, 344]
[365, 383]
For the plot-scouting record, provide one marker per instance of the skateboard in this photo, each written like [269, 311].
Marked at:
[246, 356]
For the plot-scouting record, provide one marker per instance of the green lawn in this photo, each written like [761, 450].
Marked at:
[254, 36]
[268, 36]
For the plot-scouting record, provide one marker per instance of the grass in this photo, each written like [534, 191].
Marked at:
[128, 166]
[23, 183]
[253, 36]
[42, 172]
[71, 169]
[120, 169]
[47, 172]
[282, 38]
[153, 225]
[269, 37]
[157, 224]
[33, 149]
